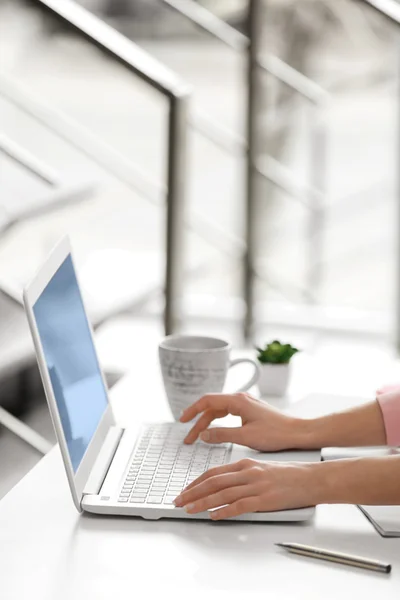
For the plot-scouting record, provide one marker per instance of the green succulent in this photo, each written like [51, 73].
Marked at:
[276, 353]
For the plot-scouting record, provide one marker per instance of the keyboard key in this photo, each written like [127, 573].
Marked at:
[154, 500]
[137, 500]
[169, 499]
[123, 499]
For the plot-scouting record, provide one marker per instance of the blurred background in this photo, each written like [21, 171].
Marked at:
[233, 170]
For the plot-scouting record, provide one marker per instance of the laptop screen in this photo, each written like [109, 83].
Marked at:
[71, 360]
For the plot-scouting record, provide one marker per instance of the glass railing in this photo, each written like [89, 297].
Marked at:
[316, 199]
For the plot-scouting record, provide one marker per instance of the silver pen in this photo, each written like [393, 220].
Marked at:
[337, 557]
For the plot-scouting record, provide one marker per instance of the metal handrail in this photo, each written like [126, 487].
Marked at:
[163, 80]
[116, 45]
[29, 162]
[209, 23]
[286, 74]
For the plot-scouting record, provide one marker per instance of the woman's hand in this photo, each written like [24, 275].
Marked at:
[251, 486]
[263, 428]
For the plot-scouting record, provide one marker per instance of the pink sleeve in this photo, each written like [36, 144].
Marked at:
[389, 401]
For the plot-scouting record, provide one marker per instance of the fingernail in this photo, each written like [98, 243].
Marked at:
[178, 500]
[189, 508]
[205, 436]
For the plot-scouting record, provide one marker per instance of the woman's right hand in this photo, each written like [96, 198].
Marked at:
[263, 427]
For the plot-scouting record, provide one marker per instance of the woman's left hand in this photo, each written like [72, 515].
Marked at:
[251, 486]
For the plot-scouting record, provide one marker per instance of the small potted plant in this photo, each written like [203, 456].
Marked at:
[274, 361]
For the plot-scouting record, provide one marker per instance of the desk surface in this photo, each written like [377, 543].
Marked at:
[49, 552]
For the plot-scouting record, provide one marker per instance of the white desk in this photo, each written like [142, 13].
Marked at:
[49, 552]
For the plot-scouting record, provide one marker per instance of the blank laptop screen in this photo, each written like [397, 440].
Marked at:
[71, 360]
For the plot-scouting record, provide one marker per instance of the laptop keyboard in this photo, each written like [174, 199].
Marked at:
[162, 466]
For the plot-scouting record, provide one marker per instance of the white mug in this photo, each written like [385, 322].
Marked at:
[193, 366]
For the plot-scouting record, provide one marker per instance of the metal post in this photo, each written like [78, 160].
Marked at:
[317, 204]
[255, 21]
[176, 184]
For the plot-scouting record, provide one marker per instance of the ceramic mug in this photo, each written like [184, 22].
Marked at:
[192, 366]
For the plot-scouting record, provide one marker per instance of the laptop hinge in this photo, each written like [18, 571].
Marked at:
[103, 461]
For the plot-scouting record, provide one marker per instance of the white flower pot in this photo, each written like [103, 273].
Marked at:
[274, 379]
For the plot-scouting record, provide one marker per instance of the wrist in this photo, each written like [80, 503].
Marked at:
[305, 434]
[360, 426]
[336, 481]
[324, 482]
[373, 481]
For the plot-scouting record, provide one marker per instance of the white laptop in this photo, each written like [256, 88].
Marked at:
[132, 472]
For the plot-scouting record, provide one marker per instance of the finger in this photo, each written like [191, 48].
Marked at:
[240, 507]
[222, 498]
[202, 424]
[220, 402]
[231, 468]
[219, 435]
[210, 486]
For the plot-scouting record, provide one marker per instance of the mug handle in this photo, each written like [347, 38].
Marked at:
[256, 374]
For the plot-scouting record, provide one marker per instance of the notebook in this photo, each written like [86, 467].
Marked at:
[385, 519]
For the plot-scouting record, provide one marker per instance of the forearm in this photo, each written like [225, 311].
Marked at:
[356, 481]
[360, 426]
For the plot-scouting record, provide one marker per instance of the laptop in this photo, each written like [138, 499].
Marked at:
[137, 471]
